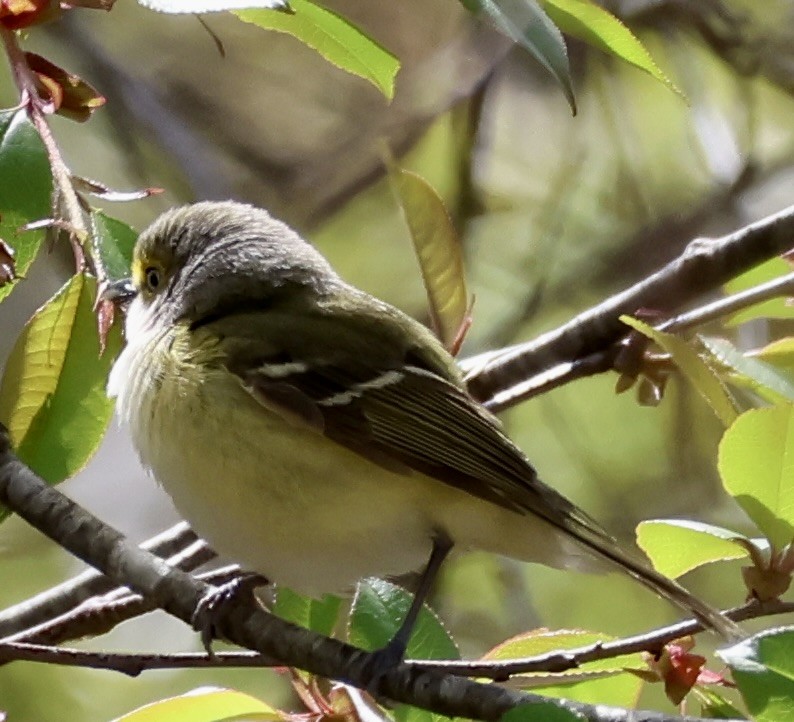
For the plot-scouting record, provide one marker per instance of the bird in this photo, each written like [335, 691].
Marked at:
[318, 435]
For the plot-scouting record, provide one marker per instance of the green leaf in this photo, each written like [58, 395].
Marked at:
[756, 463]
[779, 354]
[597, 27]
[409, 713]
[775, 307]
[693, 367]
[715, 706]
[757, 373]
[52, 395]
[377, 612]
[602, 681]
[113, 242]
[524, 22]
[439, 251]
[542, 641]
[207, 704]
[677, 546]
[540, 712]
[210, 6]
[763, 668]
[25, 188]
[336, 39]
[319, 615]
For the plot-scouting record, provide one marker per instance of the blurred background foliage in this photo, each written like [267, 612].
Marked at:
[555, 212]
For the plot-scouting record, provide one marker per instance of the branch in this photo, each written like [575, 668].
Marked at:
[130, 664]
[99, 616]
[505, 377]
[248, 625]
[64, 597]
[777, 287]
[563, 660]
[133, 664]
[606, 359]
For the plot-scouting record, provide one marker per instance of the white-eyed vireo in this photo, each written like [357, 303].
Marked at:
[316, 434]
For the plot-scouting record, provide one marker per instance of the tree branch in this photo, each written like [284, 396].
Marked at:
[64, 597]
[130, 664]
[562, 660]
[100, 615]
[505, 377]
[249, 625]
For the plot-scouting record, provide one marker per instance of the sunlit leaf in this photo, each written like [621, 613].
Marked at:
[594, 25]
[113, 241]
[763, 668]
[439, 250]
[756, 372]
[605, 681]
[525, 22]
[52, 395]
[205, 705]
[715, 706]
[677, 546]
[542, 641]
[25, 188]
[756, 463]
[410, 713]
[335, 38]
[377, 612]
[693, 367]
[775, 307]
[779, 354]
[319, 615]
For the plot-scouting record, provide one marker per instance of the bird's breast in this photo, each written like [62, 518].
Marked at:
[280, 499]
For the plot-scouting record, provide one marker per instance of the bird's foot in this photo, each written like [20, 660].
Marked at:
[381, 661]
[213, 604]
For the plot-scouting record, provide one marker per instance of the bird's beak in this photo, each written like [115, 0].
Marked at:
[120, 292]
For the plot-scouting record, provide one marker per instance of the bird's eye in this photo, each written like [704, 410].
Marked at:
[153, 278]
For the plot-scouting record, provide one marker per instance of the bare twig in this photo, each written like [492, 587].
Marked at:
[777, 287]
[64, 597]
[562, 660]
[99, 615]
[129, 664]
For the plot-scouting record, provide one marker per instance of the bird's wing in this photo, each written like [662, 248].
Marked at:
[399, 405]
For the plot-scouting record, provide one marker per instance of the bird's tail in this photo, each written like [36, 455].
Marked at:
[603, 546]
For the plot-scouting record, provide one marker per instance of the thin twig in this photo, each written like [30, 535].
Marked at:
[100, 615]
[562, 660]
[777, 287]
[64, 597]
[129, 664]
